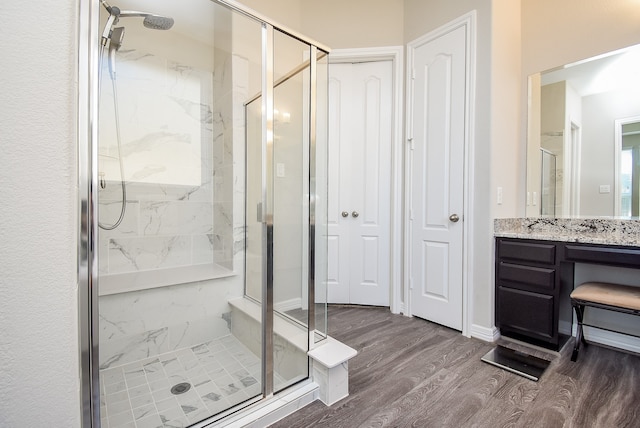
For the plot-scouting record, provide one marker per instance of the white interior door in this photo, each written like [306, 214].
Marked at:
[360, 104]
[437, 175]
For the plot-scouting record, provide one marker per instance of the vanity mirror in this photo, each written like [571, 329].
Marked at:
[583, 138]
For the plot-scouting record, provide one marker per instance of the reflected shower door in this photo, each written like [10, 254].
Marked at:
[548, 193]
[290, 209]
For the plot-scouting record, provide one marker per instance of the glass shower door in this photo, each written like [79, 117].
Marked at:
[204, 188]
[171, 163]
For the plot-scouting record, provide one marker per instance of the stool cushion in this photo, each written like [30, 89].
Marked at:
[621, 296]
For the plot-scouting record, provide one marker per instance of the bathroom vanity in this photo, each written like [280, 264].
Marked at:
[534, 269]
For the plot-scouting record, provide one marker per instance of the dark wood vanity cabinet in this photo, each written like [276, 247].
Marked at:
[534, 279]
[528, 290]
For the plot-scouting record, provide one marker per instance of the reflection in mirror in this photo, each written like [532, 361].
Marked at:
[628, 167]
[586, 116]
[549, 180]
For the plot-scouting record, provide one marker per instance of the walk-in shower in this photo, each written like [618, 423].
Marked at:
[204, 218]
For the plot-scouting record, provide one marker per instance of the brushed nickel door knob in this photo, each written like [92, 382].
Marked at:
[355, 214]
[345, 214]
[454, 218]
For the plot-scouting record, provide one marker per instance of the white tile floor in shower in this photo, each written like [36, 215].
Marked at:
[222, 373]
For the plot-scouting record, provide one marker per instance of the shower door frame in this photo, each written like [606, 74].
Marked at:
[87, 140]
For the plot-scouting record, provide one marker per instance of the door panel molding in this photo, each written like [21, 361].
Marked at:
[468, 21]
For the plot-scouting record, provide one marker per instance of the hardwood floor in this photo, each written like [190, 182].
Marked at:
[412, 373]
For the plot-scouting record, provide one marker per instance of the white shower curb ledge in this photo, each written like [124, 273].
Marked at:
[330, 365]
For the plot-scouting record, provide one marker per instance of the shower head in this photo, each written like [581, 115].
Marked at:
[157, 22]
[151, 20]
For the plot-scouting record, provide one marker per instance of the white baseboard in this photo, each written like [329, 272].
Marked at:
[610, 338]
[483, 333]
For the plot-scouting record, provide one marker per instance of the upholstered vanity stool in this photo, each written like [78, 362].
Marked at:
[614, 297]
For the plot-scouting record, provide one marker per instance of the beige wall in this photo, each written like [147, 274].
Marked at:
[558, 32]
[339, 23]
[507, 154]
[283, 12]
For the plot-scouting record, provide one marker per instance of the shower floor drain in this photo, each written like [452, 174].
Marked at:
[180, 388]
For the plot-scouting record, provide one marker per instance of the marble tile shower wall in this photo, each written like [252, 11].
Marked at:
[177, 164]
[175, 225]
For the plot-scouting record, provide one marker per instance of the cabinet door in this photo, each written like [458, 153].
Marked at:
[526, 313]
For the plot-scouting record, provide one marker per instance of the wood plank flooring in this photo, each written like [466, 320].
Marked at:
[412, 373]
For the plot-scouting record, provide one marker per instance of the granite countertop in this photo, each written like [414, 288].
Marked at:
[608, 231]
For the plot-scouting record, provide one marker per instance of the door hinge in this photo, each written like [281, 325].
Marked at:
[410, 284]
[413, 74]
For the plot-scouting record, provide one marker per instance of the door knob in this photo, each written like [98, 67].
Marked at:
[355, 214]
[345, 214]
[454, 218]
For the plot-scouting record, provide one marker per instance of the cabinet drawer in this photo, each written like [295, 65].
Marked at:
[615, 256]
[526, 313]
[527, 251]
[537, 278]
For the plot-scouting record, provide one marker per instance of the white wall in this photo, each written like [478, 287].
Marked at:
[39, 373]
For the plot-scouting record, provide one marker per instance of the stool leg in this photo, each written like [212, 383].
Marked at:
[579, 336]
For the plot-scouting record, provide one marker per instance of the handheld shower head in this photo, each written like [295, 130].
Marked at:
[117, 35]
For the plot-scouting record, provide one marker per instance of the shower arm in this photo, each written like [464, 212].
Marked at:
[106, 5]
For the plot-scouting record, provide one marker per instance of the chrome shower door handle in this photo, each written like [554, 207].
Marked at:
[454, 218]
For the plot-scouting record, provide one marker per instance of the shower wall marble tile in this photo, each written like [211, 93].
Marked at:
[144, 323]
[166, 114]
[183, 155]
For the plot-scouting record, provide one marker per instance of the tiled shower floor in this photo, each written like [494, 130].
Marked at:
[222, 373]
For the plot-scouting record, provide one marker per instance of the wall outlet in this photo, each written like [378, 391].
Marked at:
[499, 196]
[605, 188]
[280, 170]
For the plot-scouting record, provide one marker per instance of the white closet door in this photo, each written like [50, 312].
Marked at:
[360, 100]
[437, 173]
